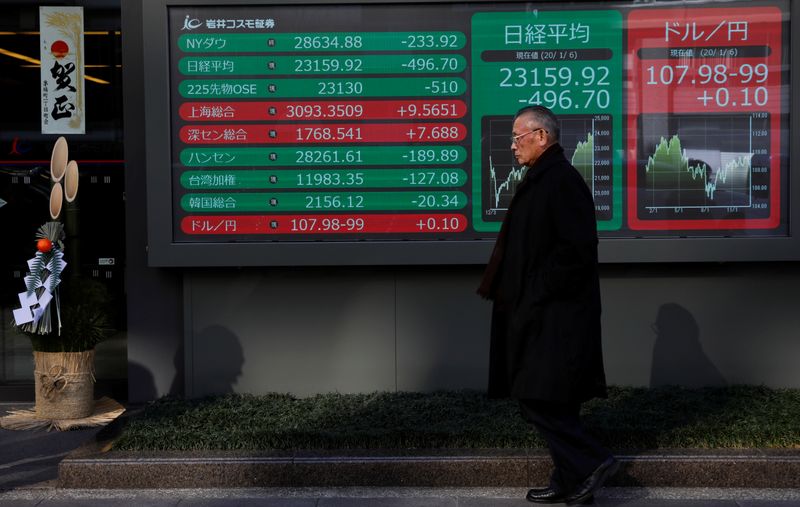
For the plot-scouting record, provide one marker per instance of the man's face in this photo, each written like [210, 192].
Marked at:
[531, 140]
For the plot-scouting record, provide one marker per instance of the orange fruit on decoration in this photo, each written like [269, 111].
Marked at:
[44, 245]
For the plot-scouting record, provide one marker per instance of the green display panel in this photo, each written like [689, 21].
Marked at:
[344, 178]
[303, 65]
[334, 87]
[316, 42]
[569, 62]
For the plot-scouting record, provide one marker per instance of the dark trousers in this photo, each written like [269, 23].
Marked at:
[576, 453]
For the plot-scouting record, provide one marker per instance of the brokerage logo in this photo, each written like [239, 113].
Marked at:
[191, 23]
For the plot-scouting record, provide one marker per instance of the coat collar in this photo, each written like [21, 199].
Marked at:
[545, 161]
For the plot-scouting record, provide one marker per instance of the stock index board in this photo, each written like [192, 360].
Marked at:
[391, 122]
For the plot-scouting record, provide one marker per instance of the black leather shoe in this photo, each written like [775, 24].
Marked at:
[594, 482]
[545, 495]
[549, 495]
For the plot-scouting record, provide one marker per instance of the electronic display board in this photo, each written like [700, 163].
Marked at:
[705, 120]
[385, 126]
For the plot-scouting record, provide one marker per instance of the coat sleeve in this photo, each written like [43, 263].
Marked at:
[569, 265]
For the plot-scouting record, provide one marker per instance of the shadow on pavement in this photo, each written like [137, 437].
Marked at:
[29, 458]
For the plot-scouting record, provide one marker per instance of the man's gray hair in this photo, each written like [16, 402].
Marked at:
[543, 117]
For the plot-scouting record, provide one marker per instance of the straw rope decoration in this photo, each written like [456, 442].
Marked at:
[105, 411]
[61, 381]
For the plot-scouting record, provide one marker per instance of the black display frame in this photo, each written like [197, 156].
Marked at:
[164, 252]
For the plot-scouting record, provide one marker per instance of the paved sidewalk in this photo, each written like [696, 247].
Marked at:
[390, 497]
[31, 457]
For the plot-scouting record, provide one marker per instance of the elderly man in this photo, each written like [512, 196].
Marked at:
[545, 338]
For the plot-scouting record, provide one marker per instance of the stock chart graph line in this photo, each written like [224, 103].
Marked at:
[509, 186]
[671, 157]
[588, 145]
[713, 171]
[583, 158]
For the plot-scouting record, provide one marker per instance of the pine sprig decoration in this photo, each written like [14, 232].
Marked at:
[54, 231]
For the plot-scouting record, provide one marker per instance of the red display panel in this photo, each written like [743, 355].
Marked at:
[323, 224]
[304, 133]
[323, 110]
[704, 118]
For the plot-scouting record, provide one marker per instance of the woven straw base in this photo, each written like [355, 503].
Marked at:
[64, 384]
[105, 411]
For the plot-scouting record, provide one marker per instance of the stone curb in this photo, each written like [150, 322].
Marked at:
[117, 470]
[95, 466]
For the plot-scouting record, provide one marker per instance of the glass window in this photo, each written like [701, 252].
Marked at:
[96, 248]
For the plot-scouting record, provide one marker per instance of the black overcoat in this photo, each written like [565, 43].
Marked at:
[545, 336]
